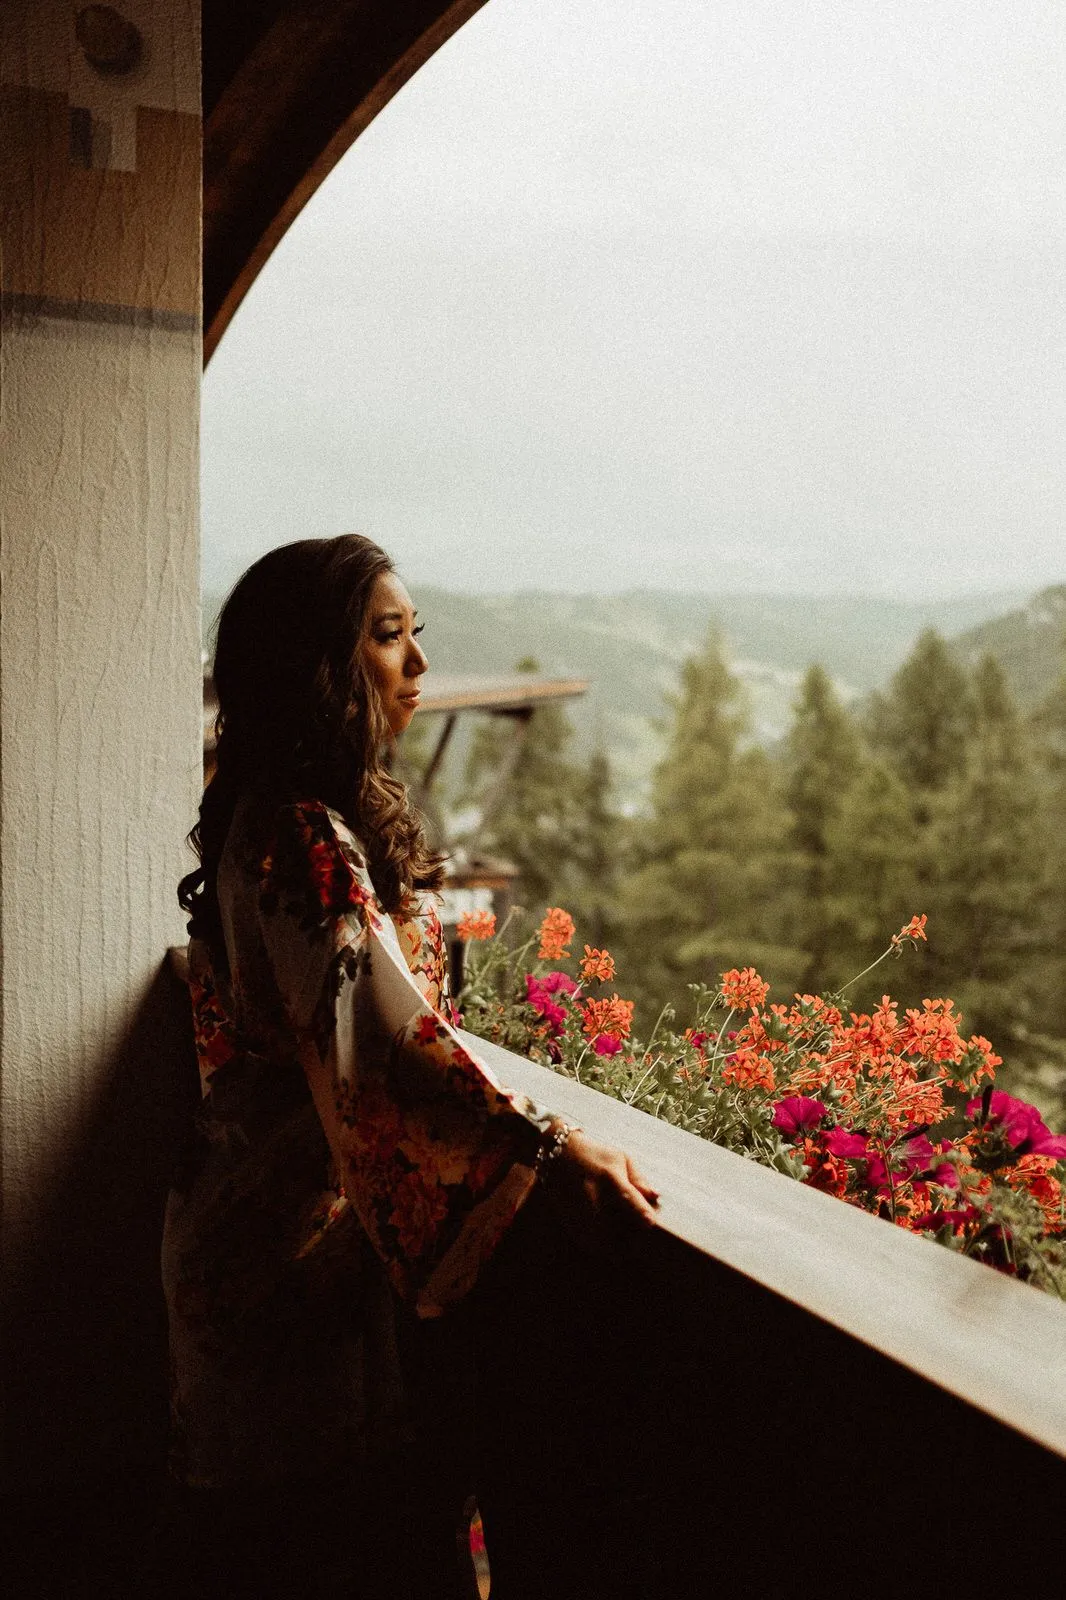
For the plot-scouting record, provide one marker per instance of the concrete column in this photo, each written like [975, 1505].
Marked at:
[99, 703]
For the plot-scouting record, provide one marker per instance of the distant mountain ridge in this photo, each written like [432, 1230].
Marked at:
[1030, 642]
[631, 645]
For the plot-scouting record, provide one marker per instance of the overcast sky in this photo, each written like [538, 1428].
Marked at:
[722, 294]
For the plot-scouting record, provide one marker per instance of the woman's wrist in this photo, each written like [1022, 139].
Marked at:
[552, 1146]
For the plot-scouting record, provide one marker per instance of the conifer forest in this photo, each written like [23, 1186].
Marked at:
[937, 795]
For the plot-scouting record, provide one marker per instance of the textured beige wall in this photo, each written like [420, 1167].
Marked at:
[100, 723]
[99, 654]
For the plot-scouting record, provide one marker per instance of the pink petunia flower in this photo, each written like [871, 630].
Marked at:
[940, 1219]
[913, 1159]
[556, 983]
[797, 1113]
[913, 1155]
[606, 1044]
[839, 1142]
[539, 997]
[876, 1171]
[1021, 1124]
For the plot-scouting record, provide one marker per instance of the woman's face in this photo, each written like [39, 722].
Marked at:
[391, 654]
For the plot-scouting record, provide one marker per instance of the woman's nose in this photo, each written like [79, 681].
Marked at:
[416, 660]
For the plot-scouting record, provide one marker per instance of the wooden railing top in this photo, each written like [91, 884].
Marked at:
[995, 1343]
[515, 692]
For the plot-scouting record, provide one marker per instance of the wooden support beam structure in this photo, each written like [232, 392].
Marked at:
[288, 87]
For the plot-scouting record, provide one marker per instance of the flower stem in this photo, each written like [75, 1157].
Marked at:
[640, 1084]
[658, 1020]
[721, 1031]
[888, 1174]
[865, 970]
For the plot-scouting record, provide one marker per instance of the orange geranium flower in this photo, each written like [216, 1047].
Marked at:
[912, 930]
[1034, 1173]
[613, 1016]
[933, 1032]
[747, 1069]
[914, 1101]
[598, 964]
[980, 1061]
[743, 990]
[476, 925]
[875, 1036]
[824, 1171]
[556, 931]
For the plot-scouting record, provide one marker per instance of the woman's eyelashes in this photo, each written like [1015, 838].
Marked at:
[391, 638]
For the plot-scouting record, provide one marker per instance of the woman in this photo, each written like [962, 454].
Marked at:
[355, 1163]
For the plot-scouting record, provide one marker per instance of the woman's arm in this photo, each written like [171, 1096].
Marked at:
[599, 1189]
[433, 1151]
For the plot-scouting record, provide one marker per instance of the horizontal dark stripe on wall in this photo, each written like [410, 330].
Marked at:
[41, 305]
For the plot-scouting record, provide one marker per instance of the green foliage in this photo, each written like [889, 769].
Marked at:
[702, 890]
[553, 818]
[886, 1112]
[1027, 643]
[1048, 734]
[988, 850]
[945, 799]
[599, 846]
[873, 851]
[822, 764]
[920, 727]
[1016, 1225]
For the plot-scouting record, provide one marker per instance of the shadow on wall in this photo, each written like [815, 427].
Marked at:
[84, 1317]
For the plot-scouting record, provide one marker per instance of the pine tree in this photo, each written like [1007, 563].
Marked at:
[598, 862]
[1049, 734]
[703, 890]
[553, 819]
[875, 874]
[821, 763]
[921, 725]
[920, 731]
[990, 850]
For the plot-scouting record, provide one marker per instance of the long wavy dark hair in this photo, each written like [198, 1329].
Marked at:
[299, 719]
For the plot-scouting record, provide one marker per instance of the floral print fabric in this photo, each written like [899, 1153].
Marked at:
[347, 1137]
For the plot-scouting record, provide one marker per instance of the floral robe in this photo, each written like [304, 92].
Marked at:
[349, 1147]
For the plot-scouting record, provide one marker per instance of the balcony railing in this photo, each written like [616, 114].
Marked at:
[769, 1393]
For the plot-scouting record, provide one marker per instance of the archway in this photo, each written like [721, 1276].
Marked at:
[287, 88]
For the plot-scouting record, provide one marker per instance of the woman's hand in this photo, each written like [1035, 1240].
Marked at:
[599, 1190]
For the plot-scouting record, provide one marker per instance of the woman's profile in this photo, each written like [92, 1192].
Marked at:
[355, 1165]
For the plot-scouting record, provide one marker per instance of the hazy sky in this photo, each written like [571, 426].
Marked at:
[714, 293]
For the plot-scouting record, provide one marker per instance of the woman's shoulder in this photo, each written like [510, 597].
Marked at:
[310, 822]
[265, 824]
[314, 850]
[304, 850]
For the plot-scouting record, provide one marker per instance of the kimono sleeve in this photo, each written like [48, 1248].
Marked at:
[433, 1152]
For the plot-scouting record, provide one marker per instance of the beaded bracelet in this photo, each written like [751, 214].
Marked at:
[553, 1150]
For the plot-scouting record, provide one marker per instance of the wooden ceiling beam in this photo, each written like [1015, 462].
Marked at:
[288, 87]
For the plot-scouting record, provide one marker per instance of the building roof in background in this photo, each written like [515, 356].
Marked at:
[504, 696]
[519, 692]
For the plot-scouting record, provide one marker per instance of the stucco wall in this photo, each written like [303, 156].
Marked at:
[100, 713]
